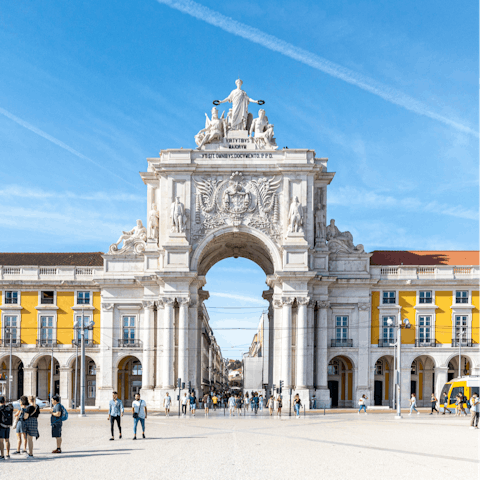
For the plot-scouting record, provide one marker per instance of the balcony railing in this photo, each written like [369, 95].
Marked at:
[88, 342]
[46, 343]
[382, 342]
[421, 342]
[462, 343]
[6, 342]
[341, 342]
[127, 343]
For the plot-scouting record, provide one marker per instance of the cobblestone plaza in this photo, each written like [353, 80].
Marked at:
[329, 447]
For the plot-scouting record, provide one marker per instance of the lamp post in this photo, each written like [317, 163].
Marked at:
[405, 323]
[84, 326]
[9, 331]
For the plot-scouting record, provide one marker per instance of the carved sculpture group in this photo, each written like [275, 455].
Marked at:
[238, 118]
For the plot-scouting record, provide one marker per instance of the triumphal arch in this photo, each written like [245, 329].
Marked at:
[237, 194]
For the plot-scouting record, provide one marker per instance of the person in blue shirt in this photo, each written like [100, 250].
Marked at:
[56, 421]
[115, 413]
[193, 403]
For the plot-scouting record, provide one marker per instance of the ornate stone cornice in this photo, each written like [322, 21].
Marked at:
[277, 303]
[159, 303]
[303, 300]
[183, 301]
[168, 300]
[288, 300]
[148, 304]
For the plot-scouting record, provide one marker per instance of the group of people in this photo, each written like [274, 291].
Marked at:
[25, 423]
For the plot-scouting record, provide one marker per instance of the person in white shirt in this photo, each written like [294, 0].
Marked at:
[474, 410]
[139, 411]
[167, 401]
[361, 402]
[413, 404]
[185, 401]
[231, 405]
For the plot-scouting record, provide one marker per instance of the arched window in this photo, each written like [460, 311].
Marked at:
[379, 367]
[414, 368]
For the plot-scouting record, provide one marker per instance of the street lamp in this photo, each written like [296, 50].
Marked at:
[85, 325]
[405, 323]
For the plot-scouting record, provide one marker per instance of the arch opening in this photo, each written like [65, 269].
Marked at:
[129, 379]
[341, 370]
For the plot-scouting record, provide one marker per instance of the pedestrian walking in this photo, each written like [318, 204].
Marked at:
[297, 403]
[115, 413]
[214, 400]
[167, 402]
[260, 403]
[361, 402]
[458, 405]
[238, 404]
[445, 403]
[56, 422]
[6, 422]
[185, 401]
[30, 423]
[231, 406]
[207, 402]
[271, 405]
[19, 427]
[139, 412]
[474, 410]
[278, 405]
[255, 403]
[433, 401]
[193, 403]
[413, 404]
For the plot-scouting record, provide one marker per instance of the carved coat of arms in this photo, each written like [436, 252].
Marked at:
[237, 201]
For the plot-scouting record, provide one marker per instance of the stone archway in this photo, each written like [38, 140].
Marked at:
[129, 378]
[17, 375]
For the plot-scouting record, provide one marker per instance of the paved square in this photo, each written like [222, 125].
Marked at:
[335, 446]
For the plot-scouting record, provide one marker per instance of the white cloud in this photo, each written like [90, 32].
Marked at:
[362, 198]
[275, 44]
[59, 143]
[243, 298]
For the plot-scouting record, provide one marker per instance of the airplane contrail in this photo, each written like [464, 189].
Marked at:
[273, 43]
[59, 143]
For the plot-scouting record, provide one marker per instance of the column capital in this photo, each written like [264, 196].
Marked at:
[167, 300]
[148, 304]
[108, 306]
[193, 304]
[277, 303]
[303, 300]
[288, 301]
[183, 301]
[323, 304]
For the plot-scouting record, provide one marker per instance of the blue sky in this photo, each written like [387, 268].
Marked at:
[388, 91]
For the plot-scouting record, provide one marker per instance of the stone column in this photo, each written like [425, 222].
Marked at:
[322, 394]
[168, 345]
[364, 373]
[30, 381]
[105, 384]
[210, 364]
[148, 364]
[301, 377]
[65, 386]
[160, 345]
[277, 341]
[310, 358]
[287, 341]
[441, 378]
[192, 345]
[183, 339]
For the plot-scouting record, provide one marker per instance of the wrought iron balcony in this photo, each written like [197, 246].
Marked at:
[341, 342]
[422, 342]
[6, 342]
[385, 342]
[129, 343]
[46, 343]
[462, 343]
[88, 342]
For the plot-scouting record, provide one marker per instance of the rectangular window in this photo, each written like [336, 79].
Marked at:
[425, 328]
[10, 332]
[341, 329]
[47, 298]
[83, 298]
[426, 297]
[388, 334]
[46, 330]
[128, 330]
[11, 297]
[388, 297]
[461, 296]
[91, 387]
[461, 328]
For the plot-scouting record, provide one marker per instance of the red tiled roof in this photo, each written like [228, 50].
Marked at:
[81, 259]
[426, 257]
